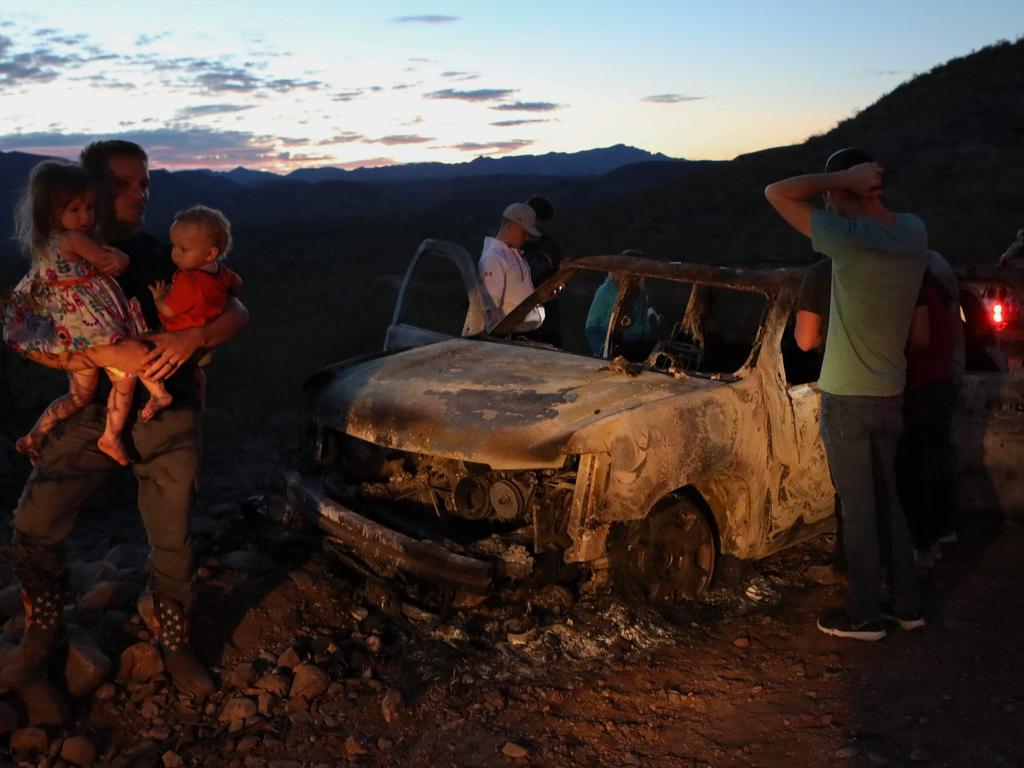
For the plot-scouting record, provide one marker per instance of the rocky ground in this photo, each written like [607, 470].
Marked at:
[319, 668]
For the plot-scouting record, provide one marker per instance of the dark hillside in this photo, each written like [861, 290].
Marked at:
[953, 143]
[322, 261]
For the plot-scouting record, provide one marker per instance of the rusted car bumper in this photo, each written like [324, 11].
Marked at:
[385, 550]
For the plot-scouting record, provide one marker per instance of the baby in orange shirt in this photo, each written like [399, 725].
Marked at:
[200, 237]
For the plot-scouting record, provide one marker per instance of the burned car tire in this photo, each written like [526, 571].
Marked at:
[667, 557]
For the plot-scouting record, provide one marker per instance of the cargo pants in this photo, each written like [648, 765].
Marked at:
[70, 468]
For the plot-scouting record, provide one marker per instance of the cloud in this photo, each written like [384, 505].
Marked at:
[414, 121]
[494, 147]
[150, 39]
[213, 76]
[399, 139]
[106, 82]
[403, 86]
[41, 65]
[345, 137]
[426, 18]
[511, 123]
[528, 106]
[452, 74]
[178, 146]
[480, 94]
[671, 98]
[369, 162]
[346, 95]
[202, 110]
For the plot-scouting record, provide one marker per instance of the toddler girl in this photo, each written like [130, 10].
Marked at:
[68, 301]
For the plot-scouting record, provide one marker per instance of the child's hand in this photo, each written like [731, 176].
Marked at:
[159, 289]
[117, 263]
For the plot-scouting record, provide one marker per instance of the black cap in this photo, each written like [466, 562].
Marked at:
[842, 159]
[542, 207]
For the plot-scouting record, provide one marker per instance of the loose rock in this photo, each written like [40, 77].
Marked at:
[310, 681]
[241, 677]
[81, 576]
[140, 663]
[237, 708]
[290, 658]
[44, 704]
[515, 751]
[273, 683]
[172, 760]
[29, 740]
[86, 667]
[302, 579]
[78, 750]
[105, 595]
[392, 706]
[354, 747]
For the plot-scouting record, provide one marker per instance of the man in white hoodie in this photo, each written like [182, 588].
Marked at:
[504, 271]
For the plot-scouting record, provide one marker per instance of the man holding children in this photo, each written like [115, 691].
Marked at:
[162, 444]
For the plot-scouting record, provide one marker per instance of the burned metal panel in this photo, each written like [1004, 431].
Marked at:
[988, 436]
[386, 550]
[800, 488]
[712, 440]
[504, 405]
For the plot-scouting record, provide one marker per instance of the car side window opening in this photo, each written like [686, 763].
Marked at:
[680, 326]
[436, 298]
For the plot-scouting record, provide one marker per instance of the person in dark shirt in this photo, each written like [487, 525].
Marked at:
[165, 450]
[544, 256]
[812, 306]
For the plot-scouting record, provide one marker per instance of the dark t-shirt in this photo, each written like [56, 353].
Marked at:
[149, 261]
[544, 256]
[816, 292]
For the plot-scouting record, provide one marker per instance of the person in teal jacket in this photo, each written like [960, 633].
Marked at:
[642, 318]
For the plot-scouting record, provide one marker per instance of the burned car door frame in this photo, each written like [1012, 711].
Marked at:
[401, 333]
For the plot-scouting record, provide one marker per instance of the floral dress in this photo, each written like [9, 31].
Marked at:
[65, 305]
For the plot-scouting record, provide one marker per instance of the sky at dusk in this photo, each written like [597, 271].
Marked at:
[280, 85]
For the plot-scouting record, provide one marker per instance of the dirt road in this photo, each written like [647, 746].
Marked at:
[316, 671]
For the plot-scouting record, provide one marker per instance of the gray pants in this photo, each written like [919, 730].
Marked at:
[861, 435]
[71, 468]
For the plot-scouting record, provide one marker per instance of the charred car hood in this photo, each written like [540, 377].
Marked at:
[505, 405]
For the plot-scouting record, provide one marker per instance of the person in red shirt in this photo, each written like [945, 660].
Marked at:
[199, 290]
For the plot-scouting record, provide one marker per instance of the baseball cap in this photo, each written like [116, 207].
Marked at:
[842, 159]
[524, 216]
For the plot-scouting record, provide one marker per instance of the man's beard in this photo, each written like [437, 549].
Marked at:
[112, 229]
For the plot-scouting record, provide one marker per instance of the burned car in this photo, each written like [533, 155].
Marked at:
[680, 428]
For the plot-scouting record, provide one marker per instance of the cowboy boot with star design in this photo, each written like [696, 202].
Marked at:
[180, 659]
[44, 630]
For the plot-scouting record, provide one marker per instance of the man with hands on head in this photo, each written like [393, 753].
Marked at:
[878, 260]
[70, 467]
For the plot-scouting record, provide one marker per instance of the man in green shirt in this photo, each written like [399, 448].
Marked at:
[878, 260]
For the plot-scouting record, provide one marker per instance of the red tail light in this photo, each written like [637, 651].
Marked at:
[998, 318]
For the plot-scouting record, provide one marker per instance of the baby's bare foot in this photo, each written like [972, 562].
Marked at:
[114, 448]
[30, 445]
[155, 404]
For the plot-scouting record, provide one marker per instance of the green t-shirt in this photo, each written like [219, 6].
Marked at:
[876, 278]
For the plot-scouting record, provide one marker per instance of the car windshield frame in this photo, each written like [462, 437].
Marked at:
[631, 269]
